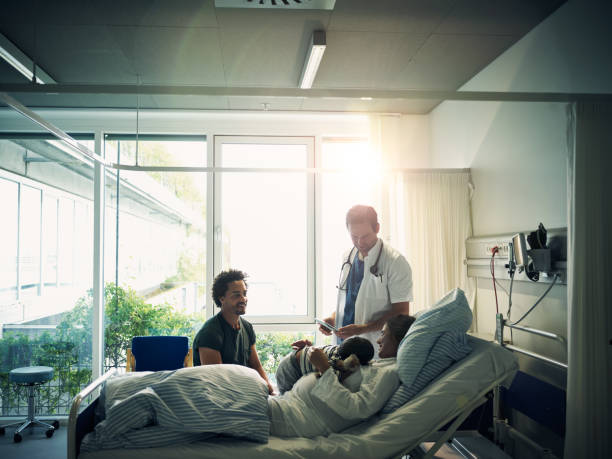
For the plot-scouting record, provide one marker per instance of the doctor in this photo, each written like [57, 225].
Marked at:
[375, 281]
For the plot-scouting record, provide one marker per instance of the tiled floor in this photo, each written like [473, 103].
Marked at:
[35, 445]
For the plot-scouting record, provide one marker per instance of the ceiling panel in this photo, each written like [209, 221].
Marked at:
[496, 17]
[365, 59]
[269, 57]
[175, 13]
[172, 56]
[268, 18]
[409, 16]
[9, 75]
[96, 59]
[18, 11]
[447, 61]
[179, 13]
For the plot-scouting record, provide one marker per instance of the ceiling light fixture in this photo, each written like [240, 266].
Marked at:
[279, 4]
[22, 63]
[313, 59]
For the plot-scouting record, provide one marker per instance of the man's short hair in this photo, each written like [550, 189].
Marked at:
[362, 214]
[399, 325]
[359, 346]
[223, 279]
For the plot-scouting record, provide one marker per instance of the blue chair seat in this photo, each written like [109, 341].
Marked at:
[156, 353]
[31, 375]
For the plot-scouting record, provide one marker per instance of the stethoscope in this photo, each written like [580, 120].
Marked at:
[373, 269]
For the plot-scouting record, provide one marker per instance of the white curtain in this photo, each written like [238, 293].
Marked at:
[429, 219]
[589, 379]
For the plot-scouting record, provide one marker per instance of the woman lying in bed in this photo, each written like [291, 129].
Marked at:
[164, 408]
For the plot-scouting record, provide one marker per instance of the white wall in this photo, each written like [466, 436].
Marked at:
[517, 153]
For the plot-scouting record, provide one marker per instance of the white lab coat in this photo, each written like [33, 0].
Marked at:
[393, 284]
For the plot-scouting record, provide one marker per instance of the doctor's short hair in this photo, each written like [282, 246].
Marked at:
[362, 214]
[399, 326]
[359, 346]
[223, 279]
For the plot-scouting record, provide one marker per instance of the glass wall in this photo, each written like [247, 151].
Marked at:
[46, 259]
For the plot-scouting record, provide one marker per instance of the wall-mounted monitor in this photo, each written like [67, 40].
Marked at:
[520, 251]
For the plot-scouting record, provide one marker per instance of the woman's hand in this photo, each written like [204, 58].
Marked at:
[300, 344]
[318, 359]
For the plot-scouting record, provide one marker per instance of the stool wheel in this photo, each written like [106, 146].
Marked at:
[49, 433]
[55, 424]
[17, 438]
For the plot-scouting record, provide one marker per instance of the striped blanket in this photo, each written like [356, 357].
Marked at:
[182, 406]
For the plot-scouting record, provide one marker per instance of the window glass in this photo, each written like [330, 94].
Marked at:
[264, 225]
[30, 235]
[8, 241]
[50, 236]
[351, 183]
[156, 150]
[46, 199]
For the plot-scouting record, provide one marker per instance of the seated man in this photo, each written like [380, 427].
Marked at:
[296, 364]
[227, 337]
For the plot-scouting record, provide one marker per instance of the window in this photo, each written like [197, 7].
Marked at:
[348, 182]
[263, 223]
[156, 221]
[8, 241]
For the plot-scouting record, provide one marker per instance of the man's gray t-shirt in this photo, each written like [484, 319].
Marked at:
[233, 345]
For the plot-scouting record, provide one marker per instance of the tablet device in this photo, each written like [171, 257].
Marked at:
[326, 325]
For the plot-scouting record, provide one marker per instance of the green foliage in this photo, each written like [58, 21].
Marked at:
[69, 350]
[126, 315]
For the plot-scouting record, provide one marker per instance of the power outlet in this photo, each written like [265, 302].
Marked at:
[502, 249]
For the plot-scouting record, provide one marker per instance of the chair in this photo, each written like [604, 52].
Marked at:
[156, 353]
[31, 377]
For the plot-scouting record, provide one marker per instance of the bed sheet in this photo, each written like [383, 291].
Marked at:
[381, 436]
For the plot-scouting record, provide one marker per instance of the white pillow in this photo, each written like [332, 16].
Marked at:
[434, 341]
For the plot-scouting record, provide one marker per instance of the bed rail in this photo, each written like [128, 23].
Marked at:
[75, 409]
[501, 323]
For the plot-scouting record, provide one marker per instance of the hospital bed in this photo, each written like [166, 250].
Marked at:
[450, 398]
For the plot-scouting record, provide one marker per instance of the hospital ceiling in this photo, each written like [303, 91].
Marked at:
[190, 54]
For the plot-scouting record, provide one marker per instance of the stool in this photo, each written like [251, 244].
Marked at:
[31, 377]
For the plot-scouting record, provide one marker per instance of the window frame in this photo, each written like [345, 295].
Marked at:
[304, 322]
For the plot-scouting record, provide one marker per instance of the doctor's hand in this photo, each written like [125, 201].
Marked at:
[326, 331]
[300, 344]
[351, 330]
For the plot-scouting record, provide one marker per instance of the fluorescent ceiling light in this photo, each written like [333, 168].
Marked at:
[22, 63]
[313, 59]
